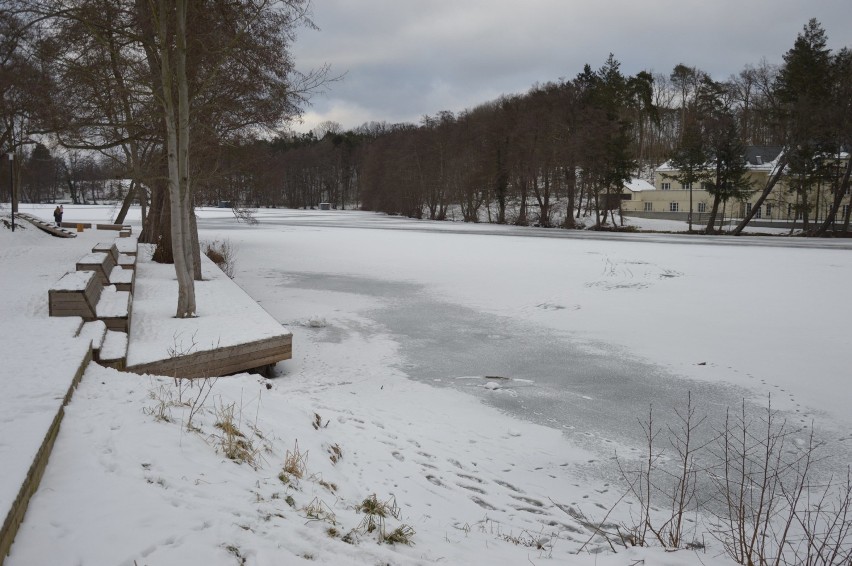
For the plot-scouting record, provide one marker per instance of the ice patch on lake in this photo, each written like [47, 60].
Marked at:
[315, 321]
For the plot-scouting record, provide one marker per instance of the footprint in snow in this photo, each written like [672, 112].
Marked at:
[484, 504]
[528, 500]
[507, 485]
[469, 477]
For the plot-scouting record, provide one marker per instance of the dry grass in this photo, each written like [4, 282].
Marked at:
[233, 443]
[223, 254]
[335, 453]
[163, 402]
[318, 510]
[295, 465]
[375, 515]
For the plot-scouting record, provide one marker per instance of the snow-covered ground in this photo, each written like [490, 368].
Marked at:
[395, 321]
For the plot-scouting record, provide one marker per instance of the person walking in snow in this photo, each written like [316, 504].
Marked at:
[57, 215]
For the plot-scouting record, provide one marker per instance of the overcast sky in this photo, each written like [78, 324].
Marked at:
[406, 58]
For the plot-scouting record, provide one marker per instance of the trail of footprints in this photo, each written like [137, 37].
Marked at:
[456, 475]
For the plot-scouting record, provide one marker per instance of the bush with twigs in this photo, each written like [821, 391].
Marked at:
[752, 486]
[223, 254]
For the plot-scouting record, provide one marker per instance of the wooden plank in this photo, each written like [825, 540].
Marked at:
[222, 361]
[67, 299]
[173, 368]
[101, 265]
[93, 293]
[116, 323]
[76, 308]
[208, 360]
[59, 304]
[116, 364]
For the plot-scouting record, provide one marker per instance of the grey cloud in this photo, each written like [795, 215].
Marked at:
[406, 58]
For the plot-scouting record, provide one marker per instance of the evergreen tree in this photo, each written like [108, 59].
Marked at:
[803, 88]
[729, 178]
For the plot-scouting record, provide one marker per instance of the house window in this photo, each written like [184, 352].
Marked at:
[687, 186]
[649, 207]
[673, 207]
[845, 210]
[702, 207]
[757, 214]
[666, 186]
[705, 185]
[769, 211]
[748, 208]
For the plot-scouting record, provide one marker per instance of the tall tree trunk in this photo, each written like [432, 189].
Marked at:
[177, 142]
[717, 199]
[125, 205]
[195, 245]
[523, 185]
[770, 184]
[838, 199]
[571, 187]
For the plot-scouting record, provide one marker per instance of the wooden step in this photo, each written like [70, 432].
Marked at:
[107, 247]
[95, 331]
[127, 261]
[122, 278]
[114, 351]
[75, 294]
[127, 247]
[116, 227]
[48, 227]
[114, 308]
[101, 263]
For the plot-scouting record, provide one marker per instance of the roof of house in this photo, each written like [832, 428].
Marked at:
[761, 154]
[637, 185]
[757, 156]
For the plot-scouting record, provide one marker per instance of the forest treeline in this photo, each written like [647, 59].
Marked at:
[571, 144]
[565, 145]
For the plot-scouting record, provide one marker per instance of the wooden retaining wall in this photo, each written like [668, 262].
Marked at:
[222, 360]
[15, 515]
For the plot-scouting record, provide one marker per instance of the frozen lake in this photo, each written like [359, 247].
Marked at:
[585, 330]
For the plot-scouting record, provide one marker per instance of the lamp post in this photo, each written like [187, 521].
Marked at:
[12, 189]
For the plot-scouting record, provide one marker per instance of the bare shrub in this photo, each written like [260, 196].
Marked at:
[246, 215]
[192, 394]
[163, 398]
[223, 254]
[755, 480]
[773, 511]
